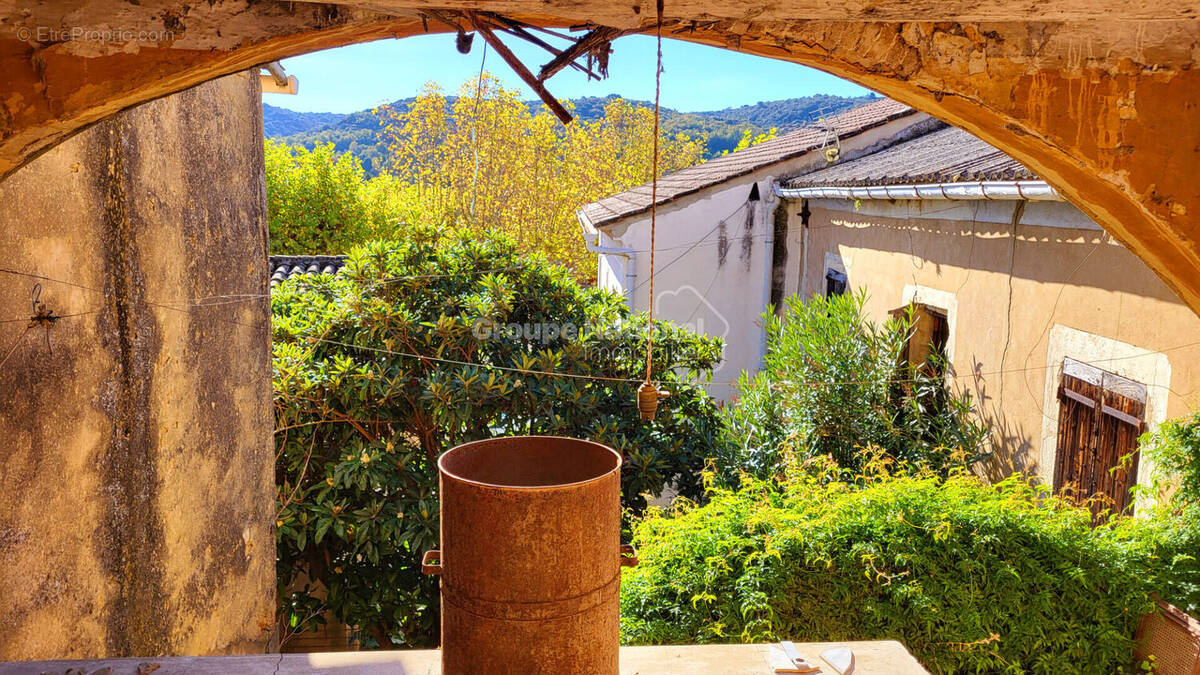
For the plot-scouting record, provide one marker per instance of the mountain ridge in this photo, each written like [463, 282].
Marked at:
[357, 132]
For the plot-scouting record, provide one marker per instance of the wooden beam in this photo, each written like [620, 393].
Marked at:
[513, 62]
[518, 29]
[593, 40]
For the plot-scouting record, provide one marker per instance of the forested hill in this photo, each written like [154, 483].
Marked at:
[358, 133]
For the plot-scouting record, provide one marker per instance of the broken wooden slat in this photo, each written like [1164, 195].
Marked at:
[596, 39]
[519, 68]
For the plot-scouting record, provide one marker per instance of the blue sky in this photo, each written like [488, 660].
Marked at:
[695, 77]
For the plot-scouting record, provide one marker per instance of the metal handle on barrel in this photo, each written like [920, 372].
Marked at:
[628, 556]
[428, 567]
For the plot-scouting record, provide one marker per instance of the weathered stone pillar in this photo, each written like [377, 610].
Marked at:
[137, 506]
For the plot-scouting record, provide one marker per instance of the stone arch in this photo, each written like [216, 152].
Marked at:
[1106, 110]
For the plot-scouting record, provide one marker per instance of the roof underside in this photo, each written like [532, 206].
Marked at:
[947, 155]
[720, 169]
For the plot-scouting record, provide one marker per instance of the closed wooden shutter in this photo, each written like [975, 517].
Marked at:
[1100, 416]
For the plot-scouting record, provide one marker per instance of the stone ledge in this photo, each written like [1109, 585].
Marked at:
[871, 658]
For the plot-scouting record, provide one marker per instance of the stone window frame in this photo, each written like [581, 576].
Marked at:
[1148, 367]
[938, 299]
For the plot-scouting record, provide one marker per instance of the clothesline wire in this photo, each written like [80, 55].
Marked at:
[232, 298]
[696, 243]
[633, 380]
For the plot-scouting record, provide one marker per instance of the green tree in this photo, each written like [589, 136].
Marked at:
[486, 161]
[422, 344]
[833, 385]
[319, 204]
[1175, 449]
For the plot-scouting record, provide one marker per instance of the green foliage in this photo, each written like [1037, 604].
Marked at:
[971, 577]
[1175, 450]
[1173, 535]
[361, 419]
[317, 204]
[833, 385]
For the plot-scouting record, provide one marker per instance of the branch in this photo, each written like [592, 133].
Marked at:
[354, 423]
[520, 69]
[300, 480]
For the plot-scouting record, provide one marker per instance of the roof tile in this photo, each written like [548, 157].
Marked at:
[287, 266]
[946, 155]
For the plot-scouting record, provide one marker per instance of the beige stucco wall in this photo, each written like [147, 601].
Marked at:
[1018, 305]
[135, 448]
[711, 276]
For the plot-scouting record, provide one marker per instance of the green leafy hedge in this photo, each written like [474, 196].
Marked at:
[971, 577]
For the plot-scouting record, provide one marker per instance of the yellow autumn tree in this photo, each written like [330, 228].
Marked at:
[487, 161]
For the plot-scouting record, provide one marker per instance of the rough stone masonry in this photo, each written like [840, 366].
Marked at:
[136, 434]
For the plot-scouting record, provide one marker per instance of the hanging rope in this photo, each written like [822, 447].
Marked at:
[648, 395]
[474, 139]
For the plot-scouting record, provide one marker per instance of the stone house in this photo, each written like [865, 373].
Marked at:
[715, 231]
[1071, 346]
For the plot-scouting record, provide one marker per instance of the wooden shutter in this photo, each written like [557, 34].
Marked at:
[930, 333]
[835, 283]
[1100, 416]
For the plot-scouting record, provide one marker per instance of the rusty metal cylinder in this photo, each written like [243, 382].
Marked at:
[530, 557]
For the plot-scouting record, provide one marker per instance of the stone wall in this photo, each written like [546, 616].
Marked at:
[135, 433]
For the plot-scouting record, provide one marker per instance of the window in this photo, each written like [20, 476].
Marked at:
[835, 283]
[930, 334]
[1100, 416]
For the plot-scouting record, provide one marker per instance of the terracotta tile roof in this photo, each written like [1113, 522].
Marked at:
[287, 266]
[945, 155]
[720, 169]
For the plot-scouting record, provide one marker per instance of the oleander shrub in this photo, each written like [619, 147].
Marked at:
[1174, 449]
[833, 384]
[970, 577]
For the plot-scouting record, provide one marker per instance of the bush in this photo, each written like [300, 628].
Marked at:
[317, 204]
[971, 577]
[362, 415]
[833, 384]
[1175, 450]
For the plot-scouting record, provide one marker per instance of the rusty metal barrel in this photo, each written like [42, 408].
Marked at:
[530, 558]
